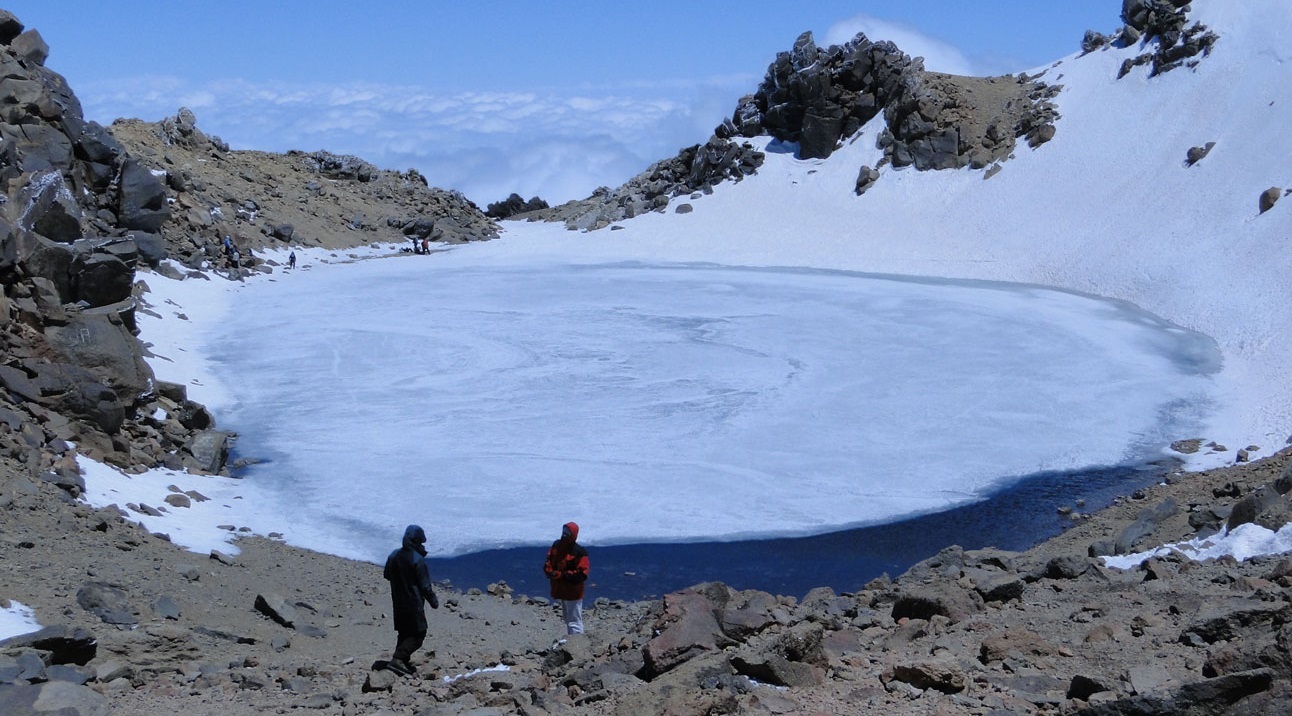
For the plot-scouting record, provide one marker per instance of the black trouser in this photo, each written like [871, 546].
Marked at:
[409, 642]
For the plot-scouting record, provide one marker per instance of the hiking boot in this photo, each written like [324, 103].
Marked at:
[399, 666]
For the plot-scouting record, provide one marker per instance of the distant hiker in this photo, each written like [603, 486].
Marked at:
[426, 246]
[410, 585]
[567, 569]
[291, 260]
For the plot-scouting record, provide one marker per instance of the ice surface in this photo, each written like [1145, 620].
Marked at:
[489, 403]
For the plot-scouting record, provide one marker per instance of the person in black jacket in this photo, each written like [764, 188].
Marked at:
[410, 585]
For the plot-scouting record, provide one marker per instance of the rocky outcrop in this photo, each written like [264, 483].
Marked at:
[939, 121]
[85, 208]
[693, 172]
[814, 98]
[818, 97]
[1164, 22]
[513, 205]
[72, 368]
[262, 200]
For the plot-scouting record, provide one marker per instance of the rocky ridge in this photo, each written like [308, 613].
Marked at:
[816, 98]
[84, 207]
[265, 199]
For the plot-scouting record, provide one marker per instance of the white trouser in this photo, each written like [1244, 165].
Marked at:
[572, 614]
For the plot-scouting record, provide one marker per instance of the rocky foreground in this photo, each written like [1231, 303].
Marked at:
[137, 625]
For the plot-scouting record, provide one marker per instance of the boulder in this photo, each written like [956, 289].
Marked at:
[771, 668]
[46, 259]
[1092, 41]
[142, 198]
[1144, 525]
[1269, 198]
[31, 48]
[151, 247]
[36, 147]
[1265, 506]
[209, 449]
[866, 178]
[65, 645]
[10, 27]
[101, 279]
[1015, 642]
[945, 675]
[49, 208]
[103, 345]
[688, 627]
[52, 697]
[1068, 567]
[928, 601]
[108, 602]
[748, 613]
[277, 609]
[1193, 156]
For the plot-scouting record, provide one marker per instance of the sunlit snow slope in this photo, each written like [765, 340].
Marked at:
[1107, 207]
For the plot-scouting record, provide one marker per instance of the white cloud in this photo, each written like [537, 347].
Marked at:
[484, 144]
[939, 56]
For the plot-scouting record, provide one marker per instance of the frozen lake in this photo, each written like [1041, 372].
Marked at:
[676, 403]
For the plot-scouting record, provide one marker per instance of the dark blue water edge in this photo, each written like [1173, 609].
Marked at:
[1015, 518]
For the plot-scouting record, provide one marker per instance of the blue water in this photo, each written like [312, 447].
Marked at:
[1013, 519]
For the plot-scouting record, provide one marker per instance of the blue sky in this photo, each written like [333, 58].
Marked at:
[552, 99]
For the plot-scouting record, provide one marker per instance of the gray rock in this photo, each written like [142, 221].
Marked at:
[101, 279]
[108, 602]
[1092, 41]
[71, 674]
[276, 608]
[687, 628]
[49, 208]
[111, 670]
[1068, 567]
[866, 178]
[775, 669]
[30, 46]
[379, 681]
[142, 204]
[1195, 155]
[210, 450]
[65, 645]
[54, 697]
[166, 607]
[947, 676]
[1144, 526]
[937, 600]
[1269, 198]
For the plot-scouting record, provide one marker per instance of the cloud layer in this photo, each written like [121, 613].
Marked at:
[557, 143]
[485, 144]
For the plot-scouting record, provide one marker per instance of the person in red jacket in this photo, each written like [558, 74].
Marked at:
[567, 569]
